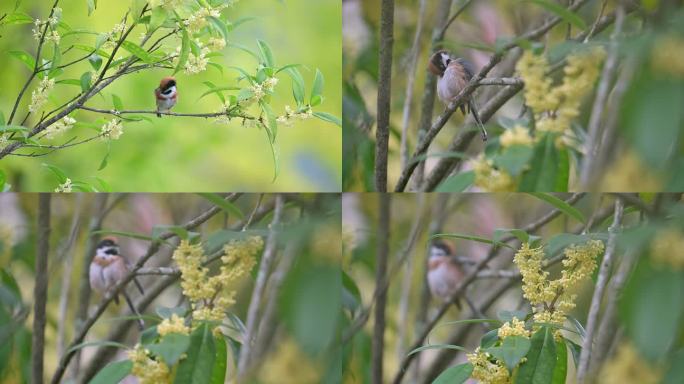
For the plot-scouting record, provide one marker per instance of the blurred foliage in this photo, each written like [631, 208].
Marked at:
[646, 153]
[304, 344]
[165, 152]
[650, 307]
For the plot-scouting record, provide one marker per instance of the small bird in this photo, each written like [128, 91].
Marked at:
[166, 95]
[108, 268]
[454, 74]
[444, 273]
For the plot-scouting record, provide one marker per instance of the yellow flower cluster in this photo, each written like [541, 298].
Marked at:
[556, 295]
[489, 178]
[667, 249]
[209, 295]
[175, 324]
[198, 20]
[147, 369]
[518, 135]
[668, 56]
[290, 115]
[486, 371]
[628, 367]
[628, 173]
[555, 107]
[216, 44]
[64, 187]
[39, 95]
[112, 130]
[514, 327]
[59, 127]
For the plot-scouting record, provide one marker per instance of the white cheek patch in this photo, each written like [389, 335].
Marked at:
[445, 59]
[170, 92]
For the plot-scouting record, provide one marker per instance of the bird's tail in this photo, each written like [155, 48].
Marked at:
[141, 323]
[476, 115]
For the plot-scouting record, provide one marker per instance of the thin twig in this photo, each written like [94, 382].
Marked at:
[408, 98]
[267, 260]
[40, 288]
[601, 282]
[593, 143]
[228, 113]
[254, 211]
[384, 94]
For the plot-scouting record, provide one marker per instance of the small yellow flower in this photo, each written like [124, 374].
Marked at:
[147, 369]
[513, 328]
[112, 130]
[59, 127]
[518, 135]
[64, 187]
[175, 324]
[489, 178]
[486, 369]
[39, 95]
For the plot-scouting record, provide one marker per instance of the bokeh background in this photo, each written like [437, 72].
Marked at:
[191, 154]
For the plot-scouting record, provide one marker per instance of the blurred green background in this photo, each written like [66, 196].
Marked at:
[191, 154]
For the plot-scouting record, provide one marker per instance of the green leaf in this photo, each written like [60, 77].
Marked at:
[351, 295]
[562, 171]
[329, 118]
[271, 119]
[317, 89]
[224, 204]
[197, 367]
[171, 347]
[118, 104]
[91, 6]
[218, 375]
[505, 315]
[490, 338]
[575, 349]
[472, 238]
[158, 17]
[297, 85]
[13, 128]
[184, 53]
[561, 370]
[511, 350]
[455, 375]
[86, 78]
[138, 51]
[219, 26]
[24, 58]
[541, 359]
[457, 183]
[276, 156]
[578, 326]
[652, 308]
[95, 61]
[514, 159]
[542, 175]
[61, 176]
[113, 373]
[437, 346]
[561, 12]
[266, 54]
[219, 91]
[561, 205]
[17, 18]
[105, 159]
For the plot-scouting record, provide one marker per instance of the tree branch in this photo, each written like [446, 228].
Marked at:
[384, 94]
[601, 282]
[267, 260]
[228, 113]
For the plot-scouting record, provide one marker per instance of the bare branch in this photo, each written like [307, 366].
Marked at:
[229, 113]
[601, 282]
[378, 342]
[384, 94]
[267, 261]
